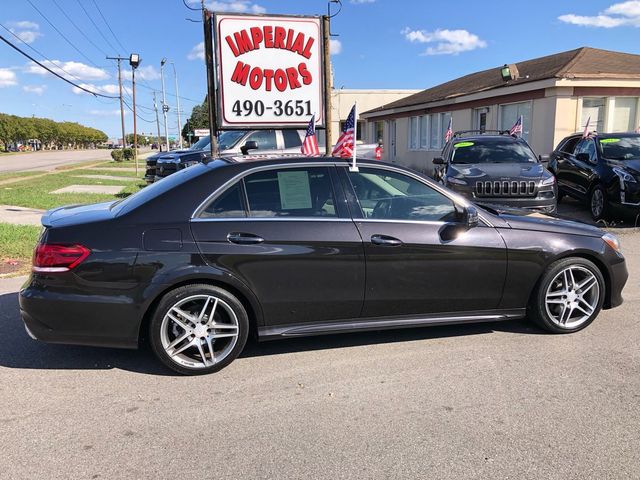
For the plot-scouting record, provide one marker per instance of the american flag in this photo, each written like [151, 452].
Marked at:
[344, 146]
[449, 133]
[585, 134]
[517, 127]
[310, 144]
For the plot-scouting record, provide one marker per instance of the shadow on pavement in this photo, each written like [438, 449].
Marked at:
[571, 209]
[18, 350]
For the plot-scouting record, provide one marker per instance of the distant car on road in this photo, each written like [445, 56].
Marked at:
[496, 168]
[602, 170]
[289, 247]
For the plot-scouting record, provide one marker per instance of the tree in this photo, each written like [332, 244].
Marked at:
[199, 119]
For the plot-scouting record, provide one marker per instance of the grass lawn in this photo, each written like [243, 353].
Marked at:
[17, 243]
[11, 175]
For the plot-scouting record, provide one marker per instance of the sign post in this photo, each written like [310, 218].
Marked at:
[207, 20]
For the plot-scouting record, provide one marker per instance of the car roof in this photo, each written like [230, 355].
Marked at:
[605, 134]
[272, 159]
[486, 136]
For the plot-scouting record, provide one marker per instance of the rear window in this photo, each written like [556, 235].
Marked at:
[491, 150]
[158, 188]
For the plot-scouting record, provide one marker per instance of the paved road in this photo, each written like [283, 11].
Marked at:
[49, 160]
[500, 400]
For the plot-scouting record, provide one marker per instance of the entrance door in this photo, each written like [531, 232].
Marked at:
[481, 118]
[392, 140]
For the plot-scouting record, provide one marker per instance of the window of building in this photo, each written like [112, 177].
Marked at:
[510, 113]
[624, 114]
[378, 132]
[290, 192]
[594, 110]
[444, 124]
[435, 141]
[414, 133]
[359, 130]
[426, 132]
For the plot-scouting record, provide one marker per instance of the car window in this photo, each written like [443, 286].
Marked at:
[266, 139]
[620, 148]
[291, 138]
[389, 195]
[492, 150]
[291, 192]
[587, 146]
[569, 145]
[227, 205]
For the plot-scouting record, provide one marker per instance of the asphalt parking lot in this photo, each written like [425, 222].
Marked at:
[499, 400]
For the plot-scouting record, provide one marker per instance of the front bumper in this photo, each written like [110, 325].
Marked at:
[618, 275]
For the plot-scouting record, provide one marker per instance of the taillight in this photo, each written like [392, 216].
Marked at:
[52, 257]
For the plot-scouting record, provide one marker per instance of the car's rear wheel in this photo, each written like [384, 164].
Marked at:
[198, 329]
[598, 203]
[569, 296]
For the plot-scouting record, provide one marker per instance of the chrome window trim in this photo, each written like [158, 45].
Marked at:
[277, 219]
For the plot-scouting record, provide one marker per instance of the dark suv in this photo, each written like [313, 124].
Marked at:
[496, 168]
[602, 169]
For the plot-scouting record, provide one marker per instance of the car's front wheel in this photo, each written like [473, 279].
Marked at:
[569, 296]
[198, 329]
[598, 203]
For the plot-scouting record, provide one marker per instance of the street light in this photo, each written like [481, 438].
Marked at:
[175, 76]
[165, 107]
[134, 61]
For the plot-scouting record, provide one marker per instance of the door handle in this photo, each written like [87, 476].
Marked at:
[385, 240]
[244, 238]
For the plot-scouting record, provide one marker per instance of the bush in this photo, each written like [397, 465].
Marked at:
[128, 153]
[117, 155]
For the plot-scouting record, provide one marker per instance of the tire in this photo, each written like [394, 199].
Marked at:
[561, 195]
[578, 307]
[208, 344]
[598, 205]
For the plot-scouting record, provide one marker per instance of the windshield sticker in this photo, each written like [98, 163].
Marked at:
[609, 140]
[295, 192]
[463, 144]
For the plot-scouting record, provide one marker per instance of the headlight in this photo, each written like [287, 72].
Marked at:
[623, 175]
[613, 242]
[455, 181]
[548, 181]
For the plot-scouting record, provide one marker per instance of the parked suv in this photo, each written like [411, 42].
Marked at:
[497, 168]
[602, 169]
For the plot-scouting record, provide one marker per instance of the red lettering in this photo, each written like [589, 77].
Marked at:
[232, 45]
[268, 77]
[255, 78]
[243, 42]
[304, 73]
[268, 36]
[256, 36]
[290, 34]
[280, 80]
[292, 76]
[298, 44]
[279, 36]
[240, 74]
[307, 48]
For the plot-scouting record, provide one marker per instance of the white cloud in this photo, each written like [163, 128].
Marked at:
[618, 14]
[240, 6]
[37, 89]
[106, 113]
[360, 2]
[106, 89]
[447, 42]
[197, 52]
[78, 70]
[335, 47]
[25, 30]
[148, 72]
[7, 78]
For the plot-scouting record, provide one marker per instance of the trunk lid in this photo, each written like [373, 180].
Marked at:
[75, 214]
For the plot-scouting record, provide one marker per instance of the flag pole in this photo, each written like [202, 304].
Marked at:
[354, 166]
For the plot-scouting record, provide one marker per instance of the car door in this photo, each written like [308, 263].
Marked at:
[418, 258]
[581, 166]
[562, 162]
[286, 233]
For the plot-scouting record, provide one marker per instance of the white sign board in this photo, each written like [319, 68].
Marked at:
[269, 71]
[201, 132]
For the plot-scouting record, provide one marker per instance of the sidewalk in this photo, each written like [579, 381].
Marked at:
[20, 215]
[11, 284]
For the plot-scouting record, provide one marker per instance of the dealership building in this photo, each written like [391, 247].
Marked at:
[554, 94]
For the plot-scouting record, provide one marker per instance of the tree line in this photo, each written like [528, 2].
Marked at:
[49, 134]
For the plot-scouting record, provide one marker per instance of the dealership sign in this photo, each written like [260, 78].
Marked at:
[269, 71]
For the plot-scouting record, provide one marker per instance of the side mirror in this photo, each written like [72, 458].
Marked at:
[250, 145]
[544, 159]
[582, 157]
[470, 216]
[439, 161]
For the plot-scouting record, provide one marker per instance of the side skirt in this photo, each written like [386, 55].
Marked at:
[364, 324]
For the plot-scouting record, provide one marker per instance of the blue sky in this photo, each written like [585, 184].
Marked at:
[380, 44]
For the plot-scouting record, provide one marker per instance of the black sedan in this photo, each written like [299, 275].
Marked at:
[602, 169]
[288, 247]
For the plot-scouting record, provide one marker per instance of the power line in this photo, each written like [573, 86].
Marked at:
[51, 71]
[78, 28]
[96, 26]
[61, 34]
[170, 94]
[138, 115]
[108, 26]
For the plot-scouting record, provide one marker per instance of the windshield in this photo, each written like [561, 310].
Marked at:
[620, 148]
[492, 150]
[201, 144]
[228, 139]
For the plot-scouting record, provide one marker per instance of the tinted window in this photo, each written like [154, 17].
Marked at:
[587, 146]
[291, 192]
[570, 145]
[227, 205]
[228, 139]
[492, 150]
[291, 138]
[620, 148]
[266, 139]
[394, 196]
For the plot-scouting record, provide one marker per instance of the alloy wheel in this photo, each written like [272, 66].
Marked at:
[199, 331]
[597, 203]
[572, 297]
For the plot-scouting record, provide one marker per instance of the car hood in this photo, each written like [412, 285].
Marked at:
[177, 156]
[523, 219]
[632, 165]
[498, 171]
[76, 214]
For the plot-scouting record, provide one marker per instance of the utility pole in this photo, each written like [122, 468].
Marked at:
[121, 102]
[155, 107]
[326, 32]
[134, 62]
[207, 20]
[175, 76]
[165, 107]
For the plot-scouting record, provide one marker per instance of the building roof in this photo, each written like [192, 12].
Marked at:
[584, 62]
